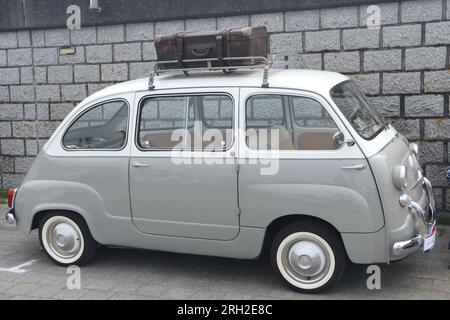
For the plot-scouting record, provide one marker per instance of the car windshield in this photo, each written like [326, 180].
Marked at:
[358, 110]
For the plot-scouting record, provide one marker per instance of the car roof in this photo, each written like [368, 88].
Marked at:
[309, 80]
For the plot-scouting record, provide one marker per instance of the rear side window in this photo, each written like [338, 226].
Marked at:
[103, 127]
[195, 122]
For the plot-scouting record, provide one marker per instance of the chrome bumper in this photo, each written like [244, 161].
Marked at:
[11, 217]
[427, 215]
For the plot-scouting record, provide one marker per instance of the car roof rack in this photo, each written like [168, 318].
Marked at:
[264, 63]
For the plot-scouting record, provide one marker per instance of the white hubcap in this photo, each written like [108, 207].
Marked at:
[305, 260]
[62, 239]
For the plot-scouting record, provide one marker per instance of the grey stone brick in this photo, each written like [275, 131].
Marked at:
[21, 93]
[87, 73]
[24, 129]
[342, 61]
[409, 128]
[31, 108]
[149, 51]
[437, 81]
[22, 164]
[402, 36]
[76, 58]
[140, 69]
[425, 58]
[19, 57]
[4, 94]
[233, 21]
[140, 31]
[127, 52]
[438, 198]
[286, 43]
[11, 112]
[401, 82]
[5, 129]
[389, 13]
[448, 10]
[168, 27]
[8, 40]
[305, 61]
[9, 76]
[110, 34]
[85, 35]
[24, 38]
[73, 92]
[12, 180]
[31, 147]
[26, 75]
[437, 128]
[369, 83]
[322, 40]
[45, 56]
[342, 17]
[60, 110]
[6, 164]
[383, 60]
[361, 38]
[46, 128]
[99, 54]
[38, 38]
[274, 22]
[424, 106]
[94, 87]
[57, 37]
[40, 74]
[436, 175]
[302, 20]
[48, 93]
[419, 10]
[203, 24]
[3, 61]
[12, 147]
[114, 72]
[388, 106]
[60, 74]
[437, 33]
[431, 152]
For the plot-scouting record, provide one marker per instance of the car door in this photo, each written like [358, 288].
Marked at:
[183, 179]
[305, 168]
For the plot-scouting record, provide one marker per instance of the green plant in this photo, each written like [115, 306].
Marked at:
[3, 197]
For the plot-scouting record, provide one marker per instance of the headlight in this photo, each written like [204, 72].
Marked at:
[400, 177]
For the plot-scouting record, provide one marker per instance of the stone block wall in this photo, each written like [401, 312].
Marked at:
[403, 66]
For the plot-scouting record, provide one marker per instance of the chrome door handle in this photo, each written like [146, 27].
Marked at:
[355, 167]
[140, 164]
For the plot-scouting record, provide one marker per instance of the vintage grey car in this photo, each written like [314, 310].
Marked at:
[298, 165]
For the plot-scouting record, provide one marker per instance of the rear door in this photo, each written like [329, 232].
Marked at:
[183, 179]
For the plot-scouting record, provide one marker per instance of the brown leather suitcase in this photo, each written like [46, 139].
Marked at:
[232, 42]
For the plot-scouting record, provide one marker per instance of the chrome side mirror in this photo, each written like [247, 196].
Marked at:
[337, 140]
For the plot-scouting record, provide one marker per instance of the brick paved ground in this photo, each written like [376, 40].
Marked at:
[135, 274]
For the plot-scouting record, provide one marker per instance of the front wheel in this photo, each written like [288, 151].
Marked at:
[309, 256]
[66, 239]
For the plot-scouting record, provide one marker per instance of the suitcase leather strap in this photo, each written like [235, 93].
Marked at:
[179, 48]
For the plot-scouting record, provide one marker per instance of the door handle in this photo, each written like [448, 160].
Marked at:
[355, 167]
[140, 164]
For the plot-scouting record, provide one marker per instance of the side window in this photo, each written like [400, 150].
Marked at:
[269, 127]
[197, 122]
[314, 129]
[103, 127]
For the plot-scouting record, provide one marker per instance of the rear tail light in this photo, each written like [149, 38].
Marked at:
[11, 193]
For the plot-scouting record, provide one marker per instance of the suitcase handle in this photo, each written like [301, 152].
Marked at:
[200, 51]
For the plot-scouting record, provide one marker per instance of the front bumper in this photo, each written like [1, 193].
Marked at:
[11, 217]
[427, 215]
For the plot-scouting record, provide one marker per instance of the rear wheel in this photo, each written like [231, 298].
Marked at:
[66, 239]
[309, 256]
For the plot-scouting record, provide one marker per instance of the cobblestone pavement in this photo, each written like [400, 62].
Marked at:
[137, 274]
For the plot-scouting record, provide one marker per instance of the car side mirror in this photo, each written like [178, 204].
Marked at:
[337, 140]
